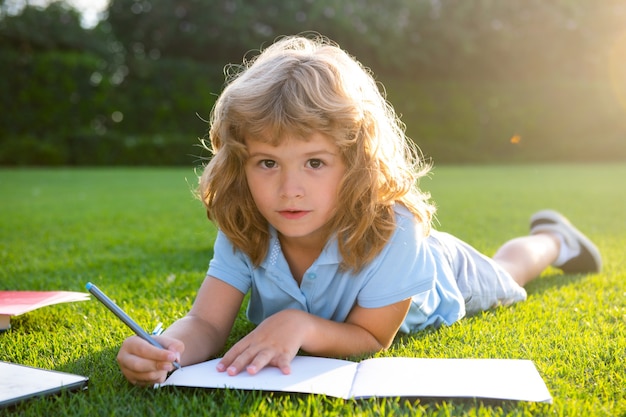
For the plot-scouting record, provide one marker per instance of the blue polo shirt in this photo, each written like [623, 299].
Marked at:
[409, 266]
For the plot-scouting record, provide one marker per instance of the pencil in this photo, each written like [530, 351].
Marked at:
[108, 303]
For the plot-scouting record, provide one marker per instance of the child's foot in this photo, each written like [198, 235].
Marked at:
[578, 253]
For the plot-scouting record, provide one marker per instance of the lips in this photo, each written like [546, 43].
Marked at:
[293, 214]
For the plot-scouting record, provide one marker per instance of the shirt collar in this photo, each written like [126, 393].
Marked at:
[330, 253]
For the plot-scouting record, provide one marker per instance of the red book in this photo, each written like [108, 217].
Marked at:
[14, 303]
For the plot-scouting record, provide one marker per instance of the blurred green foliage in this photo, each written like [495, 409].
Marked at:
[474, 80]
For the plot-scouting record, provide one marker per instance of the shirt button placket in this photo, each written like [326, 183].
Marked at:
[307, 286]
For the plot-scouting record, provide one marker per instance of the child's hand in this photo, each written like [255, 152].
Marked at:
[275, 342]
[143, 364]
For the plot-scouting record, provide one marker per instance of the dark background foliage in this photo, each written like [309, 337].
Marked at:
[474, 80]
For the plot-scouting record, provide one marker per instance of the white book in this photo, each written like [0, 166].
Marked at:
[495, 379]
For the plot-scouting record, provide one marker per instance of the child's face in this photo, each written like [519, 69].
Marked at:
[295, 184]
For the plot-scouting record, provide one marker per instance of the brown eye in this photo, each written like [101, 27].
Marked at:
[315, 163]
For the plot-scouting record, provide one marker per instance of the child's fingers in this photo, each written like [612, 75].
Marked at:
[265, 358]
[272, 343]
[139, 347]
[239, 362]
[137, 363]
[284, 364]
[144, 364]
[259, 361]
[253, 361]
[141, 371]
[171, 344]
[231, 356]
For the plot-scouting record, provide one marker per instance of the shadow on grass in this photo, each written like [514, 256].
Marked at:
[553, 280]
[538, 286]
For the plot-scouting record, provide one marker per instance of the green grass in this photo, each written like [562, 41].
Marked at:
[140, 235]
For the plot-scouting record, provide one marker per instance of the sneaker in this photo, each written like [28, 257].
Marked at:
[588, 258]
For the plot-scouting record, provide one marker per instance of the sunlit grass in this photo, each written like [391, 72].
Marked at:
[141, 236]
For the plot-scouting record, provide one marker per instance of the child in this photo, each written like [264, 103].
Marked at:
[312, 184]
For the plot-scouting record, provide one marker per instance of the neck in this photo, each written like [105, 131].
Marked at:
[300, 254]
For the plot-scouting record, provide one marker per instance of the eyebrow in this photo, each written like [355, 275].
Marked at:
[307, 154]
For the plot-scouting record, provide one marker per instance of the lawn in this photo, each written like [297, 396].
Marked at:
[142, 237]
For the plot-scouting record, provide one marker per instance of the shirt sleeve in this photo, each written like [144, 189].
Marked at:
[403, 269]
[230, 265]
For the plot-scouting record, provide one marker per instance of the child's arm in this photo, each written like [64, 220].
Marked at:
[277, 340]
[194, 338]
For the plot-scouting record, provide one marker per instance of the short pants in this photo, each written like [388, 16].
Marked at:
[483, 283]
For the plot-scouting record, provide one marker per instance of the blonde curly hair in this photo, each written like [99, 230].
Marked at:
[297, 86]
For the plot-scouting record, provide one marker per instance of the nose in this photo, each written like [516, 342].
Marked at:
[291, 184]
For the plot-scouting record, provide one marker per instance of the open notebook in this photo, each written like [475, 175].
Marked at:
[19, 383]
[495, 379]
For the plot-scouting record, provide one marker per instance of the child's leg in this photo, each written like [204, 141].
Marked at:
[526, 257]
[553, 241]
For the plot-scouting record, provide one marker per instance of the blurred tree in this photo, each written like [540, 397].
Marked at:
[514, 38]
[150, 66]
[221, 31]
[56, 27]
[56, 83]
[476, 38]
